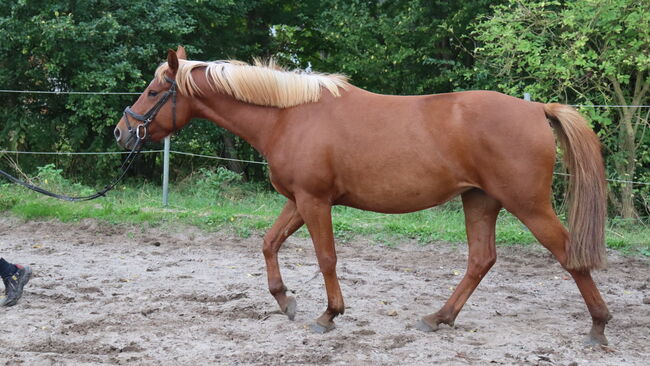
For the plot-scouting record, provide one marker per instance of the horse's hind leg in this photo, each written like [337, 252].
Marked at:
[546, 227]
[287, 223]
[481, 212]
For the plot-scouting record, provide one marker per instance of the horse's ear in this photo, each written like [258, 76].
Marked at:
[172, 61]
[180, 52]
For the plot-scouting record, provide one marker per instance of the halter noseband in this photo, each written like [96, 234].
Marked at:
[140, 131]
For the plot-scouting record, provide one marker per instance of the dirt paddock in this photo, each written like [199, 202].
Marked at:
[106, 294]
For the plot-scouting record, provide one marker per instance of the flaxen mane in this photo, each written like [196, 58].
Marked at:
[262, 84]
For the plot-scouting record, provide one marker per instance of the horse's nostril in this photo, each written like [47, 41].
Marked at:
[117, 133]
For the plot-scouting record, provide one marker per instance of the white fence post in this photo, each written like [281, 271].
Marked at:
[165, 198]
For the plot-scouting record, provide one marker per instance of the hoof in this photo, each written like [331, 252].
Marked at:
[425, 327]
[290, 311]
[321, 329]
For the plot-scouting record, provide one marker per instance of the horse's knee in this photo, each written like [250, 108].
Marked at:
[268, 247]
[489, 261]
[327, 264]
[267, 251]
[478, 267]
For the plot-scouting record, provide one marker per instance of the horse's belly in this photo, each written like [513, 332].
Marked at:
[400, 198]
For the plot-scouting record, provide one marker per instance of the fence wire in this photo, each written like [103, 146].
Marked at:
[608, 179]
[75, 153]
[126, 152]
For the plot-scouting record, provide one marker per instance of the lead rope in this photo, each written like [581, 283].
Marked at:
[126, 164]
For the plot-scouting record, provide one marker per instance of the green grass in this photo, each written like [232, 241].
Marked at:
[213, 202]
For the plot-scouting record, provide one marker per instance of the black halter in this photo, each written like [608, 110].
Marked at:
[140, 131]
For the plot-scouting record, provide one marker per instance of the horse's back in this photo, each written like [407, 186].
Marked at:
[399, 154]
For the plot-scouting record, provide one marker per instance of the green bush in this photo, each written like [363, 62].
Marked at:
[50, 175]
[7, 199]
[217, 180]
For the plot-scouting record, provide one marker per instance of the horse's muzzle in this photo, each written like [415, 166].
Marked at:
[124, 138]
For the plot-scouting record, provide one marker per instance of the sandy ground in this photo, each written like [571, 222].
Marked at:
[106, 294]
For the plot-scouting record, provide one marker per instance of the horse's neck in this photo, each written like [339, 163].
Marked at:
[251, 122]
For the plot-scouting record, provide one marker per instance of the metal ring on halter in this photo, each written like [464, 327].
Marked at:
[137, 131]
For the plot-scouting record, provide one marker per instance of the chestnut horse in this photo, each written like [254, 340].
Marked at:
[329, 143]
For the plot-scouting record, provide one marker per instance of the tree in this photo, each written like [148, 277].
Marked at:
[107, 45]
[588, 52]
[393, 47]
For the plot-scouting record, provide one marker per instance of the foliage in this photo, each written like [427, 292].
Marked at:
[577, 52]
[395, 47]
[50, 178]
[49, 174]
[8, 200]
[102, 45]
[212, 182]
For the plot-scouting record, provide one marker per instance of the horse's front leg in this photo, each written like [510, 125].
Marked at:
[318, 217]
[287, 223]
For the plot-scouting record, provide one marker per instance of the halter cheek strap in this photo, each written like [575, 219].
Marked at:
[140, 131]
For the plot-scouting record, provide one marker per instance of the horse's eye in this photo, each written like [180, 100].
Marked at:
[152, 93]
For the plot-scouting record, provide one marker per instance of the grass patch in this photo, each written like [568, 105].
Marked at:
[217, 200]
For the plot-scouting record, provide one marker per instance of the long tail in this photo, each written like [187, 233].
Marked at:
[587, 187]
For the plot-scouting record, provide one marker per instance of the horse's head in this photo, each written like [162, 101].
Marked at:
[158, 112]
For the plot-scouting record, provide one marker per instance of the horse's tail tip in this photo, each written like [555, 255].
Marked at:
[587, 267]
[587, 187]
